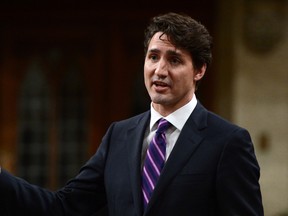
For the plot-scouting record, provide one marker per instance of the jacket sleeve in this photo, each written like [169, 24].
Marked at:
[19, 197]
[238, 174]
[82, 195]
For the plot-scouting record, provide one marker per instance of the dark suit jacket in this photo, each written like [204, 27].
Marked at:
[211, 171]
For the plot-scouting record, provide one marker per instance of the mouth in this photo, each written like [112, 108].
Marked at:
[160, 86]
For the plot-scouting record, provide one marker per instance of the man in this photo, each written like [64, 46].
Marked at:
[209, 165]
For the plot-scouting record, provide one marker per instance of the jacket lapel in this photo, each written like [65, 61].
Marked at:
[134, 148]
[188, 141]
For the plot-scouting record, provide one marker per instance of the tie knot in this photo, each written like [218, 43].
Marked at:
[162, 126]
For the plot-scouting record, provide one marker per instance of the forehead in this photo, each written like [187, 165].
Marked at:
[160, 43]
[160, 39]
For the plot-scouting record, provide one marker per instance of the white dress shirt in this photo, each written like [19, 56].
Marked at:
[178, 118]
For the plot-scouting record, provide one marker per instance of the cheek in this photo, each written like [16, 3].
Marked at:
[147, 66]
[146, 78]
[148, 71]
[184, 83]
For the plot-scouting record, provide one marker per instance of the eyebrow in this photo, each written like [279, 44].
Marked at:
[154, 50]
[169, 52]
[174, 53]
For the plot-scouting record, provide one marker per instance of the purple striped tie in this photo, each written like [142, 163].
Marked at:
[154, 161]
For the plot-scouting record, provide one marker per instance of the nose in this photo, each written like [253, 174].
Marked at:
[161, 68]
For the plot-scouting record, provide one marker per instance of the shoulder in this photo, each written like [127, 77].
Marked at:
[223, 129]
[132, 122]
[215, 122]
[218, 121]
[225, 134]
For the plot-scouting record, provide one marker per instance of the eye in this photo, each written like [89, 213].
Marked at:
[175, 61]
[153, 57]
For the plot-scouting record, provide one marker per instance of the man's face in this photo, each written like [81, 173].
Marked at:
[169, 75]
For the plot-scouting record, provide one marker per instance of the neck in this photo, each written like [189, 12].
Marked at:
[165, 109]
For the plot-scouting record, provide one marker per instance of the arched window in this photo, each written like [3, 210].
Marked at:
[34, 126]
[72, 148]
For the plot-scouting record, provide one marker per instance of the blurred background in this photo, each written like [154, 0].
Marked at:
[68, 69]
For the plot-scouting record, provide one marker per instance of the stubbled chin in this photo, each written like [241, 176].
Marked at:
[159, 98]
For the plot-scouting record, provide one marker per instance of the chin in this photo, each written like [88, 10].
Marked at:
[160, 101]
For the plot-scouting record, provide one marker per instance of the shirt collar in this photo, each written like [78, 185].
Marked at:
[178, 118]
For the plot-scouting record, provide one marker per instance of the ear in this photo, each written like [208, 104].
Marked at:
[199, 73]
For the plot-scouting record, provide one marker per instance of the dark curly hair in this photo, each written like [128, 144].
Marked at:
[183, 32]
